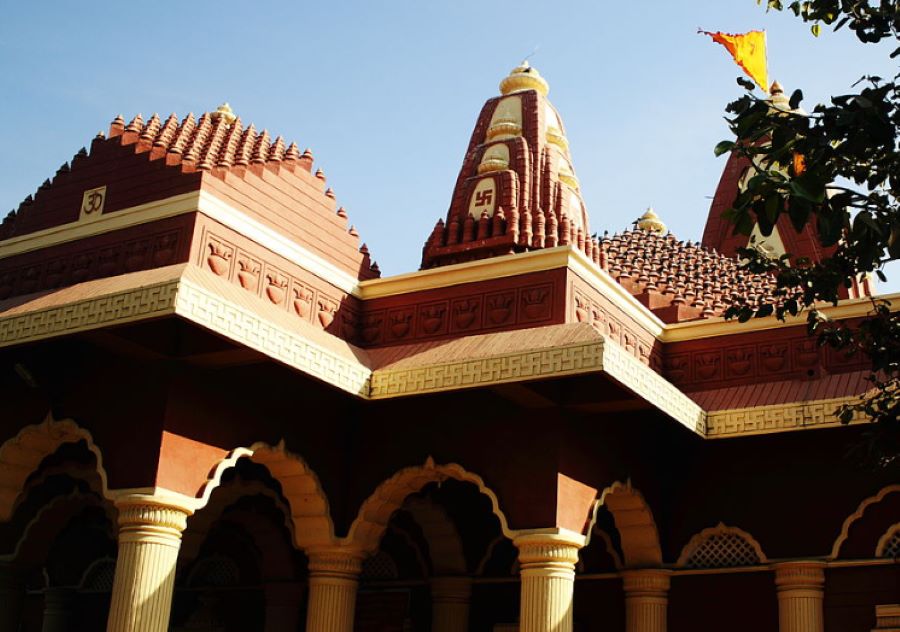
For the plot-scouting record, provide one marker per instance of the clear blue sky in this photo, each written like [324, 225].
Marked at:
[386, 92]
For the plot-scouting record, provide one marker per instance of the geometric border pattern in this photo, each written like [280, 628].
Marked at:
[889, 543]
[778, 418]
[183, 296]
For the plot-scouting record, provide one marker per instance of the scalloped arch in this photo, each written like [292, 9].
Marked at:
[309, 511]
[856, 515]
[21, 455]
[52, 518]
[199, 524]
[721, 530]
[375, 512]
[635, 523]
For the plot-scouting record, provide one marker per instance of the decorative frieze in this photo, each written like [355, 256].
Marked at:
[778, 418]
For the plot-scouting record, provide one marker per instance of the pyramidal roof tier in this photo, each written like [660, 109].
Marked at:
[517, 189]
[147, 162]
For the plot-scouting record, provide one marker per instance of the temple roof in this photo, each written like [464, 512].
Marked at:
[679, 280]
[517, 189]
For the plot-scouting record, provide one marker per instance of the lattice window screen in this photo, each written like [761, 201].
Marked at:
[215, 571]
[379, 566]
[99, 577]
[722, 550]
[892, 546]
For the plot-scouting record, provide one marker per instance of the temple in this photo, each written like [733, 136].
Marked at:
[219, 416]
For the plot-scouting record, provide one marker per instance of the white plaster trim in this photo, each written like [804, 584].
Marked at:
[124, 218]
[274, 241]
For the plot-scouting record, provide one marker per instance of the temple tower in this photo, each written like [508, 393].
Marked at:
[517, 188]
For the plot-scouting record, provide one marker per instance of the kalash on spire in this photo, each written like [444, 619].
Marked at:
[517, 189]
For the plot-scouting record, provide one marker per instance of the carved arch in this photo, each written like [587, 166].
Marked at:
[309, 511]
[21, 455]
[856, 515]
[746, 544]
[376, 511]
[200, 523]
[634, 520]
[52, 519]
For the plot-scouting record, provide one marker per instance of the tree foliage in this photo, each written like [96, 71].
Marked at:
[835, 169]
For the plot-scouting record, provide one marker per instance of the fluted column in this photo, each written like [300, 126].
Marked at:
[12, 595]
[58, 604]
[646, 599]
[150, 530]
[333, 580]
[283, 606]
[801, 592]
[547, 569]
[450, 603]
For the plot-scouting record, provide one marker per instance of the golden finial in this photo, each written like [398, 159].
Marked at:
[225, 112]
[651, 223]
[524, 77]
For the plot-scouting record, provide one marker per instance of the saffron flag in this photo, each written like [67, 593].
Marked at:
[749, 52]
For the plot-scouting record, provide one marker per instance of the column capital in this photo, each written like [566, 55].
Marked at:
[170, 512]
[452, 588]
[538, 549]
[799, 574]
[646, 581]
[335, 561]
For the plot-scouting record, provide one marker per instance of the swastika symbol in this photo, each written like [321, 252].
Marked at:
[484, 198]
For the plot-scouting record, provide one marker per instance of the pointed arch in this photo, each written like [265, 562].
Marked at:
[634, 521]
[309, 511]
[376, 510]
[856, 515]
[730, 546]
[21, 455]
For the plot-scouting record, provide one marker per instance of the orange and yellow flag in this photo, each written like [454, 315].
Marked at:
[749, 52]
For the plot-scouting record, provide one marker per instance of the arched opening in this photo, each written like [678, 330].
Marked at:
[54, 546]
[440, 555]
[238, 567]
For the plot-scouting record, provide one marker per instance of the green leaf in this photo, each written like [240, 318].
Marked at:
[809, 187]
[796, 98]
[816, 29]
[723, 148]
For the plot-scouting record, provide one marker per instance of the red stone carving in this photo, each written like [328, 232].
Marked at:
[219, 258]
[276, 287]
[465, 313]
[433, 318]
[303, 299]
[371, 328]
[500, 307]
[536, 302]
[248, 274]
[774, 357]
[327, 309]
[739, 361]
[708, 366]
[400, 322]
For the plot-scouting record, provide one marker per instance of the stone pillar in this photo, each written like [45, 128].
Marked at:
[58, 604]
[547, 569]
[801, 592]
[150, 530]
[12, 595]
[333, 580]
[450, 603]
[283, 606]
[646, 599]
